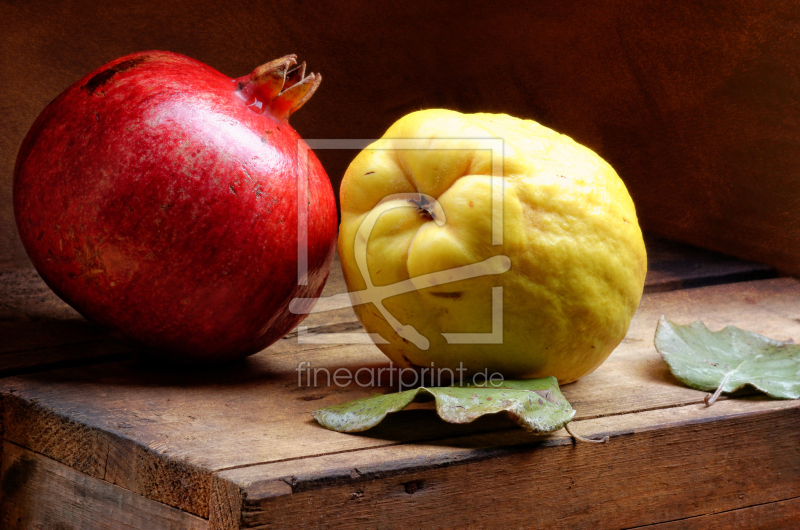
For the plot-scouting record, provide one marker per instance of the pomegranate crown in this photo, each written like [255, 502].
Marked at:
[280, 86]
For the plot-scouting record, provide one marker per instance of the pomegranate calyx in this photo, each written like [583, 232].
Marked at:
[295, 96]
[295, 75]
[278, 86]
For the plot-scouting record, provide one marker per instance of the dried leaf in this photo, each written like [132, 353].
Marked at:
[728, 359]
[536, 404]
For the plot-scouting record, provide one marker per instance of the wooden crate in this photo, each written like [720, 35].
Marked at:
[96, 437]
[695, 104]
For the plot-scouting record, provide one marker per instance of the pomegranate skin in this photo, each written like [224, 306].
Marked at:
[159, 198]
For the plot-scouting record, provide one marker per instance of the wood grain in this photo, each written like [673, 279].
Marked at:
[163, 431]
[102, 451]
[352, 467]
[695, 104]
[212, 413]
[769, 516]
[638, 478]
[41, 493]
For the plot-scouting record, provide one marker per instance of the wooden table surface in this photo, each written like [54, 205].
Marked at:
[97, 436]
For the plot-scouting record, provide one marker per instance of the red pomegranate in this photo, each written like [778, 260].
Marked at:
[177, 206]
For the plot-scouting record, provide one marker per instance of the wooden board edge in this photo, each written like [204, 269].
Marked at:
[228, 500]
[263, 481]
[106, 456]
[225, 505]
[677, 481]
[38, 492]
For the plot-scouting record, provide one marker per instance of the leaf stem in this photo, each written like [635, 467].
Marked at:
[711, 398]
[580, 438]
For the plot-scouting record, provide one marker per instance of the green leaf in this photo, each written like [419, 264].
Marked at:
[536, 404]
[728, 359]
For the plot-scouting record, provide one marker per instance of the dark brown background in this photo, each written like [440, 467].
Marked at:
[696, 104]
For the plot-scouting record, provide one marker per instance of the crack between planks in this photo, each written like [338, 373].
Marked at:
[645, 409]
[681, 284]
[650, 525]
[304, 457]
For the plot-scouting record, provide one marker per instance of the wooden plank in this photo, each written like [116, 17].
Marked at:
[102, 451]
[635, 378]
[643, 475]
[33, 317]
[38, 492]
[781, 514]
[39, 331]
[80, 354]
[310, 473]
[672, 266]
[172, 428]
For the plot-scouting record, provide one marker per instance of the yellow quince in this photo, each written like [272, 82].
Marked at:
[487, 242]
